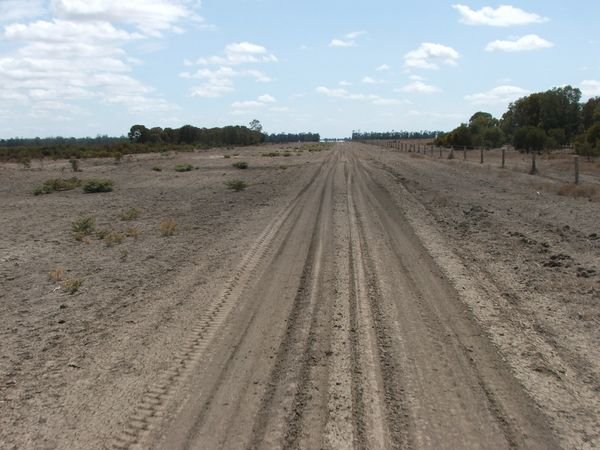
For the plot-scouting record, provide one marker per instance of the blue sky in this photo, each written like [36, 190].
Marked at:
[87, 67]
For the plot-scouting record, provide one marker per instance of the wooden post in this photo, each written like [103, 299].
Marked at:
[576, 169]
[451, 155]
[441, 151]
[465, 152]
[503, 157]
[533, 167]
[481, 150]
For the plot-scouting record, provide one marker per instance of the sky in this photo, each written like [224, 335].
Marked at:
[89, 67]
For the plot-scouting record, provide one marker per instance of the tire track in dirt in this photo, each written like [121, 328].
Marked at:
[150, 411]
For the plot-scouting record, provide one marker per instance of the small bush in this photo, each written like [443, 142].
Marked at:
[167, 227]
[157, 169]
[113, 238]
[97, 185]
[74, 165]
[183, 168]
[286, 154]
[133, 232]
[72, 286]
[236, 185]
[226, 156]
[283, 167]
[271, 154]
[130, 214]
[57, 184]
[578, 190]
[84, 226]
[56, 275]
[101, 234]
[240, 165]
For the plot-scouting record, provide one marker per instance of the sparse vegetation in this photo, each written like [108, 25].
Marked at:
[56, 275]
[57, 184]
[271, 154]
[74, 165]
[133, 232]
[130, 214]
[97, 185]
[113, 238]
[578, 190]
[84, 226]
[183, 168]
[168, 227]
[72, 285]
[226, 156]
[240, 165]
[236, 185]
[157, 169]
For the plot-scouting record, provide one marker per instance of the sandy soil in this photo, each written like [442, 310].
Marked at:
[358, 297]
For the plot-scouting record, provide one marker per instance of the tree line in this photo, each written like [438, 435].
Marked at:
[392, 135]
[543, 120]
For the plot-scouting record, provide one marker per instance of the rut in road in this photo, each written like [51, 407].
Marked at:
[345, 335]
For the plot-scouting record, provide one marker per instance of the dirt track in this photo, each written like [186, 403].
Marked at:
[343, 324]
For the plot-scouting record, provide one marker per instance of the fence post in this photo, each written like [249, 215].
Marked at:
[465, 152]
[451, 155]
[503, 157]
[481, 150]
[533, 167]
[576, 158]
[441, 151]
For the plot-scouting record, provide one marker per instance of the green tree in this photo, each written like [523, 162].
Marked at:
[530, 138]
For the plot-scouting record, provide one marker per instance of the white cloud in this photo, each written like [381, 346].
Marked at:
[12, 10]
[369, 98]
[345, 83]
[240, 53]
[419, 87]
[261, 102]
[590, 88]
[152, 17]
[349, 40]
[500, 95]
[370, 80]
[430, 56]
[503, 16]
[522, 44]
[416, 78]
[340, 43]
[382, 68]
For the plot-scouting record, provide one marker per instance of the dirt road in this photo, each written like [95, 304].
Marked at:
[345, 300]
[338, 330]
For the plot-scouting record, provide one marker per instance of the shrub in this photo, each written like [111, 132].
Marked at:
[72, 286]
[240, 165]
[183, 168]
[56, 275]
[74, 165]
[167, 227]
[113, 238]
[57, 184]
[236, 185]
[130, 214]
[133, 232]
[157, 169]
[97, 185]
[226, 156]
[271, 154]
[84, 226]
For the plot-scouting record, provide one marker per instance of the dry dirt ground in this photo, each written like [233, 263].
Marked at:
[352, 297]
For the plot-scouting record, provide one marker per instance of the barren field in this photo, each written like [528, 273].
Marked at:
[349, 297]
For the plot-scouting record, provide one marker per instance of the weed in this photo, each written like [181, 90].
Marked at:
[57, 184]
[226, 156]
[130, 214]
[101, 234]
[183, 167]
[236, 185]
[240, 165]
[577, 190]
[271, 154]
[286, 154]
[123, 255]
[133, 232]
[74, 165]
[113, 238]
[167, 227]
[56, 275]
[97, 185]
[26, 162]
[84, 226]
[283, 167]
[72, 286]
[157, 169]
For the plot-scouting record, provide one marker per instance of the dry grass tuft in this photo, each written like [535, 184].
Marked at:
[167, 227]
[113, 238]
[133, 232]
[578, 190]
[56, 275]
[72, 286]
